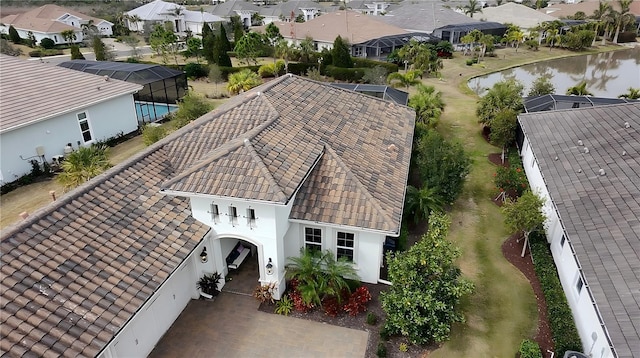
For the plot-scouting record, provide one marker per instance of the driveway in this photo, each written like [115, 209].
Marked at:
[232, 326]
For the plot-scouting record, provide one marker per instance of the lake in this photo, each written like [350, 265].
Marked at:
[607, 74]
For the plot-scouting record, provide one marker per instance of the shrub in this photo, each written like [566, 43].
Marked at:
[195, 70]
[532, 44]
[511, 180]
[371, 319]
[264, 293]
[366, 63]
[7, 49]
[469, 62]
[403, 347]
[267, 70]
[345, 74]
[284, 306]
[47, 43]
[36, 171]
[331, 306]
[563, 328]
[191, 107]
[243, 81]
[300, 69]
[83, 164]
[14, 36]
[382, 350]
[627, 36]
[75, 53]
[384, 333]
[43, 53]
[529, 349]
[358, 301]
[152, 134]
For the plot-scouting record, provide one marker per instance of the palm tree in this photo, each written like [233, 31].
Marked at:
[634, 93]
[419, 203]
[243, 81]
[135, 19]
[410, 78]
[68, 35]
[428, 105]
[579, 90]
[599, 16]
[515, 37]
[284, 51]
[553, 37]
[622, 18]
[83, 164]
[306, 49]
[472, 7]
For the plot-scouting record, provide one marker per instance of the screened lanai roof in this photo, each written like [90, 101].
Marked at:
[130, 72]
[399, 40]
[468, 27]
[552, 102]
[381, 91]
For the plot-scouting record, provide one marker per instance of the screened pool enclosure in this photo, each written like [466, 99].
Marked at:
[163, 86]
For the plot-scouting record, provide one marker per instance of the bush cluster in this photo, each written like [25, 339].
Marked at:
[529, 349]
[345, 74]
[360, 62]
[563, 328]
[45, 52]
[511, 180]
[196, 70]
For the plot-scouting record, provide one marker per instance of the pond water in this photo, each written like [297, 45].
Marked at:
[607, 74]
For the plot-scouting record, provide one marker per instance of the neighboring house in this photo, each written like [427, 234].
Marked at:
[552, 102]
[367, 35]
[369, 7]
[586, 164]
[49, 21]
[243, 9]
[455, 32]
[105, 270]
[285, 11]
[159, 11]
[588, 7]
[45, 107]
[520, 15]
[422, 16]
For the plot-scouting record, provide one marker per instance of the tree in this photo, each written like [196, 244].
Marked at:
[221, 48]
[579, 90]
[47, 43]
[442, 165]
[215, 75]
[257, 19]
[422, 57]
[341, 53]
[428, 105]
[375, 76]
[524, 215]
[192, 106]
[633, 93]
[553, 37]
[75, 53]
[423, 301]
[503, 129]
[621, 18]
[319, 275]
[503, 95]
[208, 43]
[273, 36]
[132, 42]
[248, 48]
[194, 48]
[100, 49]
[83, 164]
[135, 19]
[284, 51]
[541, 86]
[306, 49]
[243, 81]
[68, 35]
[419, 203]
[237, 27]
[410, 78]
[515, 37]
[14, 36]
[472, 7]
[600, 15]
[7, 49]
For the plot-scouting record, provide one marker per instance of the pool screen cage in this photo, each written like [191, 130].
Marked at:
[161, 85]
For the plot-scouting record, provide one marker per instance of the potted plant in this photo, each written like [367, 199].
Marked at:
[209, 283]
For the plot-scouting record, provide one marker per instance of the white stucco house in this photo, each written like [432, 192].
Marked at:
[585, 163]
[293, 163]
[49, 21]
[159, 11]
[45, 107]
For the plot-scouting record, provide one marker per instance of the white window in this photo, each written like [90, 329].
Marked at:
[215, 213]
[345, 245]
[85, 129]
[579, 284]
[251, 218]
[312, 238]
[233, 215]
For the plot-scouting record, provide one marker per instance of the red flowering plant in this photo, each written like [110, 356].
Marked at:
[358, 301]
[511, 180]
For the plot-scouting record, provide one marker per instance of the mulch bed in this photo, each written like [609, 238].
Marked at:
[512, 251]
[496, 158]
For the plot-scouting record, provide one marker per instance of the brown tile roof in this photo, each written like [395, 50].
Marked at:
[352, 26]
[31, 91]
[264, 147]
[43, 19]
[75, 272]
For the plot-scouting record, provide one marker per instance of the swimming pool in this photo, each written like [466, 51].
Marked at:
[149, 112]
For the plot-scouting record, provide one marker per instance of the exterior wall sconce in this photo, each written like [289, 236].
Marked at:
[203, 255]
[269, 267]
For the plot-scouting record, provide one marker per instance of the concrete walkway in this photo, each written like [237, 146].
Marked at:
[231, 326]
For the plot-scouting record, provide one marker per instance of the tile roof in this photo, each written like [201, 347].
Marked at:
[423, 16]
[76, 271]
[600, 213]
[229, 8]
[588, 7]
[352, 26]
[44, 19]
[31, 91]
[514, 13]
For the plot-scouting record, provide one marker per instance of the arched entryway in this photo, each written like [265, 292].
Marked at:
[241, 261]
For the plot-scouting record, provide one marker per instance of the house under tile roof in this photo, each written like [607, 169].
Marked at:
[31, 91]
[76, 271]
[516, 14]
[423, 16]
[600, 213]
[44, 19]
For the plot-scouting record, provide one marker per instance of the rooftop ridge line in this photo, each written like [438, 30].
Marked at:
[263, 168]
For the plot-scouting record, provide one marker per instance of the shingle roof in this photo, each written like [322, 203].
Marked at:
[43, 19]
[229, 8]
[514, 13]
[600, 213]
[285, 8]
[423, 16]
[76, 271]
[31, 91]
[264, 147]
[350, 25]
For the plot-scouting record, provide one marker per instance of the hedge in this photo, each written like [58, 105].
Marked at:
[345, 74]
[43, 53]
[300, 69]
[563, 328]
[366, 63]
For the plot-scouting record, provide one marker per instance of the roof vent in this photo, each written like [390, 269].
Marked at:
[556, 158]
[392, 148]
[106, 78]
[624, 152]
[580, 142]
[601, 172]
[579, 170]
[627, 125]
[586, 150]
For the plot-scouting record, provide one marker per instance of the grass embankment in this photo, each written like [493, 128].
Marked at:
[502, 310]
[32, 197]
